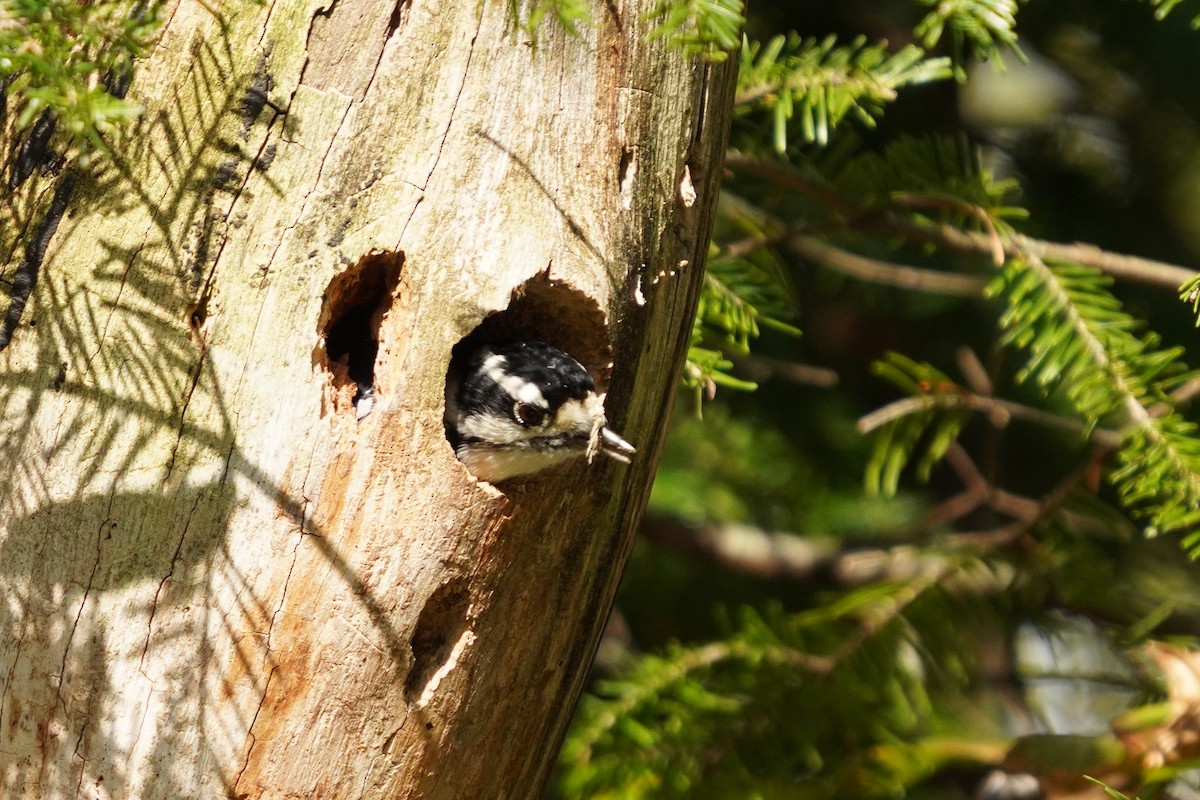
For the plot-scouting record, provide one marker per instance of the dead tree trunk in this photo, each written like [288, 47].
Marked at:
[215, 581]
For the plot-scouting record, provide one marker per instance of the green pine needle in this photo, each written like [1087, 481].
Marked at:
[708, 28]
[819, 83]
[922, 428]
[56, 54]
[1079, 338]
[770, 699]
[1164, 7]
[985, 27]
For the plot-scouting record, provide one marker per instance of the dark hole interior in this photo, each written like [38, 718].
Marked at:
[441, 623]
[353, 337]
[355, 303]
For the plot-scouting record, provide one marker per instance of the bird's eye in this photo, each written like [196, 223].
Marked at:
[529, 414]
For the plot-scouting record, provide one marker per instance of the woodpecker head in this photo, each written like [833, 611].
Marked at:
[519, 407]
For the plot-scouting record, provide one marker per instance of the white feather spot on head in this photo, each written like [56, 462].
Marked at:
[495, 366]
[530, 393]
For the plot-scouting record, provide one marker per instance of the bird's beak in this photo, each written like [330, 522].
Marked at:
[615, 447]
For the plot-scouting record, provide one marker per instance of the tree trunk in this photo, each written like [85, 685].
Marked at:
[216, 582]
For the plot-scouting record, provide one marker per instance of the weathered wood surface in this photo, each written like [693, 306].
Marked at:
[215, 581]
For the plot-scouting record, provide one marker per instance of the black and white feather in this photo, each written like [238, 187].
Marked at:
[514, 408]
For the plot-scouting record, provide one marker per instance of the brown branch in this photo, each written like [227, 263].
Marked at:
[973, 371]
[1119, 265]
[823, 560]
[1186, 393]
[901, 408]
[883, 272]
[758, 368]
[775, 555]
[995, 244]
[744, 548]
[1127, 267]
[999, 412]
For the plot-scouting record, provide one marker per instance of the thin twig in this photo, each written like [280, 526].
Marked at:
[973, 371]
[751, 550]
[997, 410]
[899, 408]
[758, 368]
[883, 272]
[1118, 265]
[963, 466]
[995, 244]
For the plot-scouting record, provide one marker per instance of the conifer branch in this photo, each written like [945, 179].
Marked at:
[758, 368]
[1077, 336]
[65, 66]
[984, 26]
[855, 216]
[709, 28]
[997, 410]
[801, 557]
[822, 82]
[1119, 265]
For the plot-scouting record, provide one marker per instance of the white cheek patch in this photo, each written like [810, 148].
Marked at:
[493, 366]
[493, 429]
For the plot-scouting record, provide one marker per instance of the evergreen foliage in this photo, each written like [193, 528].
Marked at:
[570, 14]
[710, 28]
[932, 423]
[1164, 7]
[63, 59]
[985, 28]
[771, 704]
[869, 684]
[931, 180]
[1079, 338]
[820, 83]
[740, 296]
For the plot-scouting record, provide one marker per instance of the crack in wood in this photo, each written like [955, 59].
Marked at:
[395, 25]
[197, 373]
[454, 106]
[70, 637]
[13, 706]
[163, 582]
[399, 18]
[349, 70]
[251, 739]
